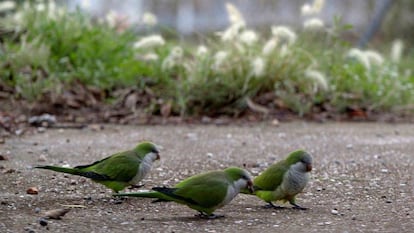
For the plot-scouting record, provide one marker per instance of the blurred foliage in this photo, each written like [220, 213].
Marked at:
[45, 49]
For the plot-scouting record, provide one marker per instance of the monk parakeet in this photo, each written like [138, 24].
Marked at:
[284, 179]
[119, 170]
[205, 192]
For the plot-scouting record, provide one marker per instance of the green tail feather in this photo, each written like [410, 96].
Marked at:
[61, 169]
[146, 193]
[74, 171]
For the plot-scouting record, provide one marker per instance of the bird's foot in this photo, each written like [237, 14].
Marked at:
[134, 186]
[118, 200]
[298, 207]
[209, 216]
[271, 206]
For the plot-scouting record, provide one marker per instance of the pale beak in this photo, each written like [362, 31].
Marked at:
[308, 167]
[250, 186]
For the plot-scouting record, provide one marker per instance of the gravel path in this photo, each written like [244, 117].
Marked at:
[362, 179]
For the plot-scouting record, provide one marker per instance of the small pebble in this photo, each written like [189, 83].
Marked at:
[41, 129]
[37, 210]
[32, 191]
[42, 158]
[28, 229]
[334, 212]
[43, 222]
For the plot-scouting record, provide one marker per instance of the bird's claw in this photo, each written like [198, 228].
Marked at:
[271, 206]
[296, 207]
[118, 200]
[134, 186]
[209, 216]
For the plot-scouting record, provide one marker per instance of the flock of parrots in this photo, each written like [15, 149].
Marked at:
[204, 192]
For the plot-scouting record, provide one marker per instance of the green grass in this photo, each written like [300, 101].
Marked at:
[46, 53]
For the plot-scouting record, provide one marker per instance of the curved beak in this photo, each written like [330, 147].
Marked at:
[250, 186]
[158, 157]
[308, 167]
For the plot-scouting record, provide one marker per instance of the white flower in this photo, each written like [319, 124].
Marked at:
[201, 50]
[53, 11]
[168, 63]
[150, 57]
[248, 37]
[176, 52]
[258, 67]
[7, 6]
[284, 33]
[40, 7]
[313, 24]
[231, 32]
[360, 56]
[306, 10]
[317, 77]
[219, 59]
[318, 5]
[269, 47]
[18, 17]
[173, 58]
[86, 4]
[284, 50]
[111, 18]
[374, 57]
[396, 50]
[149, 41]
[235, 17]
[315, 8]
[149, 19]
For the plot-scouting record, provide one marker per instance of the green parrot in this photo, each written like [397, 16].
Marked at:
[284, 179]
[119, 170]
[204, 192]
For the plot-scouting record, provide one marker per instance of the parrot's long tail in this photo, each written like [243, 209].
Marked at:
[78, 172]
[143, 193]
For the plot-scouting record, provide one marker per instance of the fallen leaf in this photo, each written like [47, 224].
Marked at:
[166, 109]
[32, 191]
[73, 206]
[8, 171]
[56, 213]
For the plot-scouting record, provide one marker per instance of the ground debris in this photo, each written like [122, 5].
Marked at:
[32, 191]
[56, 213]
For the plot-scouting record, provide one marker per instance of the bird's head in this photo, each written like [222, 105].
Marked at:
[241, 178]
[145, 149]
[300, 159]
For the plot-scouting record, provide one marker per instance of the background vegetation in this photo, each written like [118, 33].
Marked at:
[47, 52]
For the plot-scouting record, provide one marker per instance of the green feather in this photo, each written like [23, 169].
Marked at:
[116, 171]
[204, 192]
[267, 184]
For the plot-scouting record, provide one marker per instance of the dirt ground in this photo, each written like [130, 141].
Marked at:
[362, 179]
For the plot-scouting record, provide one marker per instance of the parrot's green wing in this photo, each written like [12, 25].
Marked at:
[272, 177]
[122, 166]
[206, 190]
